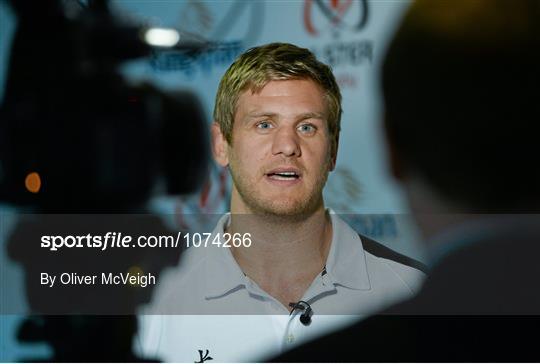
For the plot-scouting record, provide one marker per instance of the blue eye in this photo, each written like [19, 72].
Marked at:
[264, 125]
[307, 128]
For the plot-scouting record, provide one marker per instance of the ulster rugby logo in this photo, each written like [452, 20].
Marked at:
[320, 15]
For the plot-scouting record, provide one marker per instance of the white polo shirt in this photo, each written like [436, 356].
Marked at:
[208, 308]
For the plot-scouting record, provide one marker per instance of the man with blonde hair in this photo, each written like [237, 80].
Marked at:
[305, 271]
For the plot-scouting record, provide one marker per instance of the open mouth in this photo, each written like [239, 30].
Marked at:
[284, 176]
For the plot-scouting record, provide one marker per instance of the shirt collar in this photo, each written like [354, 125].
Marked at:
[345, 265]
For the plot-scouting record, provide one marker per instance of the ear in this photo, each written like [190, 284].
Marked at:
[395, 159]
[219, 145]
[333, 158]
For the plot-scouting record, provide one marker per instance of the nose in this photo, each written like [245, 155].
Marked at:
[286, 142]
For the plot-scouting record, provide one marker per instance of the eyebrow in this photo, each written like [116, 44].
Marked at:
[312, 115]
[260, 114]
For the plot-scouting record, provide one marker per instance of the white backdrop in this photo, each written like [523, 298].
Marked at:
[350, 36]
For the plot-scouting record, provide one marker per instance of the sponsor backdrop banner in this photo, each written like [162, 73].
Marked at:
[350, 36]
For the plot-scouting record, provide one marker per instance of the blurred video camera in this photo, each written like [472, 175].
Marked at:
[74, 135]
[78, 139]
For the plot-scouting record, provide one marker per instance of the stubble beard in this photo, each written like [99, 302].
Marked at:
[291, 209]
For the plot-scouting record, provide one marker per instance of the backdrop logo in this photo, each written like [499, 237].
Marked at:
[226, 27]
[335, 15]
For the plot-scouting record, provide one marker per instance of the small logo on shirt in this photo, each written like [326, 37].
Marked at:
[205, 357]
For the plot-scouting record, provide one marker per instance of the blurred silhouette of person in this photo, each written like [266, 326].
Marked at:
[461, 83]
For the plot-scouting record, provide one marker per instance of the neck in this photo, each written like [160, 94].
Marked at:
[286, 254]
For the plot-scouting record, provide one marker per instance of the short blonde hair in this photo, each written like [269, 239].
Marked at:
[275, 61]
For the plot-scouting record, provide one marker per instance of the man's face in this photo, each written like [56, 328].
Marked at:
[280, 154]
